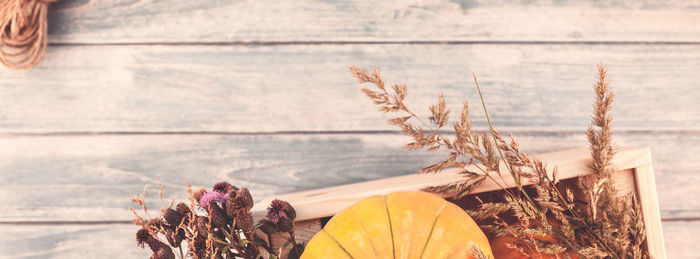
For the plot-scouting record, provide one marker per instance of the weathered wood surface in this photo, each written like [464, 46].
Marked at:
[130, 90]
[122, 21]
[91, 178]
[118, 241]
[70, 241]
[309, 88]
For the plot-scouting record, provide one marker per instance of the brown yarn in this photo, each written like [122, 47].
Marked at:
[23, 37]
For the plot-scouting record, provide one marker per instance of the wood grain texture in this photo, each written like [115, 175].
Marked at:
[680, 239]
[309, 88]
[70, 241]
[117, 241]
[303, 232]
[126, 21]
[91, 178]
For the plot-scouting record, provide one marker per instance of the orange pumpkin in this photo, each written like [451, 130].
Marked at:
[399, 225]
[501, 250]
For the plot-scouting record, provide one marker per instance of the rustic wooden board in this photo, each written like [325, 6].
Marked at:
[70, 241]
[91, 178]
[117, 241]
[680, 239]
[308, 88]
[120, 21]
[195, 72]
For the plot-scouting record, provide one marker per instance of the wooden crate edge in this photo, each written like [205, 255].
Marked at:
[649, 201]
[314, 204]
[327, 201]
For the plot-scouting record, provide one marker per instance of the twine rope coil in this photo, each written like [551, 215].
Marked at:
[24, 32]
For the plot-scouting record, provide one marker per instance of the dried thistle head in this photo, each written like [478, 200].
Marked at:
[142, 236]
[244, 199]
[198, 194]
[184, 211]
[217, 216]
[238, 200]
[224, 187]
[280, 209]
[172, 217]
[244, 220]
[160, 250]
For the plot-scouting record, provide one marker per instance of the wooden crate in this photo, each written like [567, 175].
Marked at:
[634, 173]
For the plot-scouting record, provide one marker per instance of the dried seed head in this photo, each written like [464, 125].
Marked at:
[142, 236]
[279, 209]
[199, 193]
[173, 217]
[184, 211]
[217, 215]
[244, 199]
[224, 187]
[267, 227]
[244, 220]
[238, 200]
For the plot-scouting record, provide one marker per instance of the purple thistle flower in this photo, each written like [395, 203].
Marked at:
[210, 197]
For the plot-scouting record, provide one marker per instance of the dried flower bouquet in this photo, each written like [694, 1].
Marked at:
[216, 224]
[541, 217]
[545, 218]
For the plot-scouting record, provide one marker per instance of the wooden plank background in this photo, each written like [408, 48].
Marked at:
[258, 93]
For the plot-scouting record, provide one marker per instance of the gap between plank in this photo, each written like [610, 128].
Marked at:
[408, 42]
[325, 132]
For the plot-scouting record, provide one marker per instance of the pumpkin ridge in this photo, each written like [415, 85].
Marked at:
[337, 243]
[371, 241]
[391, 229]
[430, 234]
